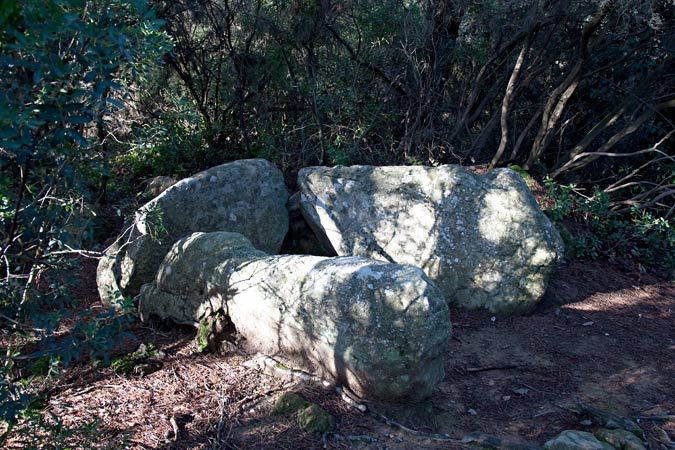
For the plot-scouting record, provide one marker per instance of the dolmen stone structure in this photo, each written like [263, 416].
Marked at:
[481, 238]
[410, 241]
[247, 197]
[377, 327]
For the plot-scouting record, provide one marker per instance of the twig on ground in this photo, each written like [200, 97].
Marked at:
[483, 440]
[351, 399]
[537, 390]
[254, 397]
[421, 434]
[566, 408]
[142, 445]
[354, 437]
[223, 400]
[94, 387]
[485, 369]
[664, 417]
[174, 426]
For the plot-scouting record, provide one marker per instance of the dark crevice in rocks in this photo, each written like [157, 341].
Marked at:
[301, 239]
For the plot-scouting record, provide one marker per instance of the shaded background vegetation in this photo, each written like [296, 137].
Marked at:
[99, 96]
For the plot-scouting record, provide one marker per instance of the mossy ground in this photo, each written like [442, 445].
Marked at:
[289, 402]
[316, 420]
[138, 362]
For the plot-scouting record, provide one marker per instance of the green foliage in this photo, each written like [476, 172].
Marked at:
[66, 67]
[154, 223]
[389, 82]
[137, 361]
[209, 333]
[592, 229]
[170, 141]
[42, 429]
[91, 338]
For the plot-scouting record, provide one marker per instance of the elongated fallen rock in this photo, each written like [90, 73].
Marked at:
[481, 238]
[377, 327]
[247, 196]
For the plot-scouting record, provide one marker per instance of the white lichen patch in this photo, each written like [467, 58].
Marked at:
[365, 273]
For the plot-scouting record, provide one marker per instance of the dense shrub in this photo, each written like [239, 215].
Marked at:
[592, 229]
[66, 68]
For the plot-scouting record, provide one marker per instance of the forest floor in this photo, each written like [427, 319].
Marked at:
[603, 336]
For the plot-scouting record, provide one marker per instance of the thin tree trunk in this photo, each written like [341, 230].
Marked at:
[557, 101]
[506, 102]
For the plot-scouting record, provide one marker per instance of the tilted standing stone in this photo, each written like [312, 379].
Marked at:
[247, 197]
[380, 328]
[481, 238]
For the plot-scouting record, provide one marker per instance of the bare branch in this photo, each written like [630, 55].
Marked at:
[573, 163]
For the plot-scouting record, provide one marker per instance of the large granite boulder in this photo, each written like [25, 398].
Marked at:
[247, 197]
[481, 238]
[380, 328]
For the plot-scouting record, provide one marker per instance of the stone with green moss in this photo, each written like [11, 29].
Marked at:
[355, 319]
[210, 333]
[129, 363]
[314, 419]
[202, 339]
[620, 439]
[482, 239]
[576, 440]
[289, 402]
[247, 196]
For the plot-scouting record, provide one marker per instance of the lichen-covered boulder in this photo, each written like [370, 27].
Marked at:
[380, 328]
[620, 439]
[247, 197]
[481, 238]
[576, 440]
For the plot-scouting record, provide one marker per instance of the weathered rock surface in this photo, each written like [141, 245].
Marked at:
[316, 420]
[301, 239]
[378, 327]
[481, 238]
[246, 197]
[576, 440]
[159, 184]
[620, 439]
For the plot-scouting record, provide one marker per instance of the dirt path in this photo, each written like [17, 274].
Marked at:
[598, 338]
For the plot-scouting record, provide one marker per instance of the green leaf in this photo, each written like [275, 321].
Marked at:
[79, 120]
[115, 103]
[77, 137]
[8, 133]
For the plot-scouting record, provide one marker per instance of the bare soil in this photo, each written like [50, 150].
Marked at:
[603, 336]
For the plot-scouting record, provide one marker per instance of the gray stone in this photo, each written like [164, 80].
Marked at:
[159, 184]
[377, 327]
[620, 439]
[316, 420]
[576, 440]
[289, 402]
[481, 238]
[482, 440]
[246, 197]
